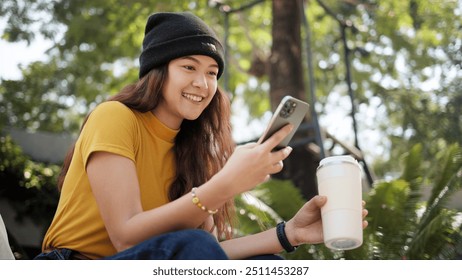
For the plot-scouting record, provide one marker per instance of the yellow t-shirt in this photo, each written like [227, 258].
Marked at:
[112, 127]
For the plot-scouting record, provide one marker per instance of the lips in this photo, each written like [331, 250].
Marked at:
[192, 97]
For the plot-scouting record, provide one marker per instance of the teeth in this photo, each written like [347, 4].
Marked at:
[193, 97]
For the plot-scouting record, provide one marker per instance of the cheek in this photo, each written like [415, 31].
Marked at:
[212, 93]
[213, 86]
[209, 99]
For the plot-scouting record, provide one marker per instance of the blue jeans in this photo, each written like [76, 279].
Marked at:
[191, 244]
[61, 254]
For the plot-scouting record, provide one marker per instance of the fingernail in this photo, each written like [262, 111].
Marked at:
[288, 150]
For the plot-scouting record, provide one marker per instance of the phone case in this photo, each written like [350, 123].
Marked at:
[290, 110]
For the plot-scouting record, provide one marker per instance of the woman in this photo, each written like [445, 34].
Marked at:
[154, 171]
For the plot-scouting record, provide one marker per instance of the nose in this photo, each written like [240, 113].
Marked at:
[200, 81]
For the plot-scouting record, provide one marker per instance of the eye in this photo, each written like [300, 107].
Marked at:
[189, 67]
[213, 73]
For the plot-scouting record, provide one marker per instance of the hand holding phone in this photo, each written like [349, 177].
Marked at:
[289, 111]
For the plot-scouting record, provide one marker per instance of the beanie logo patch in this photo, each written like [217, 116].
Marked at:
[210, 46]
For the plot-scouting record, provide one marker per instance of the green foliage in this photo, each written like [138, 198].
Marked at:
[396, 46]
[406, 225]
[280, 195]
[29, 186]
[95, 53]
[255, 208]
[435, 223]
[403, 224]
[396, 49]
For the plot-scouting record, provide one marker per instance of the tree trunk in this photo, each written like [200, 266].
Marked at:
[286, 78]
[286, 71]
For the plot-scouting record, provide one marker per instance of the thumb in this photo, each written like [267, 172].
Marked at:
[319, 200]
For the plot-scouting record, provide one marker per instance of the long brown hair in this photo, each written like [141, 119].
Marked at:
[201, 148]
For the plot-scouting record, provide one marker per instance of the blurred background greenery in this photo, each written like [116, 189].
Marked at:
[383, 79]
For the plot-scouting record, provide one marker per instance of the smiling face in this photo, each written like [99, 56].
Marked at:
[190, 86]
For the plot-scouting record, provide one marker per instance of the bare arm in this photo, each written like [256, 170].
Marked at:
[267, 242]
[304, 228]
[262, 243]
[115, 185]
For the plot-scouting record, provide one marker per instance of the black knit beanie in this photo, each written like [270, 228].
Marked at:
[172, 35]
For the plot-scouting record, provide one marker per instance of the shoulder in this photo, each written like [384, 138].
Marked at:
[114, 107]
[112, 116]
[112, 110]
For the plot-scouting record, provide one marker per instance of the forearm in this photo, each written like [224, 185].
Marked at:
[262, 243]
[176, 215]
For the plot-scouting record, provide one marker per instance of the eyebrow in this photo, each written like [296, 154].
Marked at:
[197, 61]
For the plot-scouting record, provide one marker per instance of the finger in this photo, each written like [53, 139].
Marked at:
[247, 145]
[279, 164]
[316, 202]
[282, 154]
[320, 200]
[365, 224]
[277, 137]
[365, 212]
[277, 167]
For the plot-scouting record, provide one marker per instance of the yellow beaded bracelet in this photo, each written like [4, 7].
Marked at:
[196, 201]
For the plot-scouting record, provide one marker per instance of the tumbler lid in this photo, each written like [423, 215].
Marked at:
[336, 160]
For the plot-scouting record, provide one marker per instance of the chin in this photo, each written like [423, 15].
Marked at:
[192, 118]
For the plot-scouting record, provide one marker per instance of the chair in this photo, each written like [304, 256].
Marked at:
[5, 249]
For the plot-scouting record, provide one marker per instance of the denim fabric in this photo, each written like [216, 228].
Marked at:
[58, 254]
[191, 244]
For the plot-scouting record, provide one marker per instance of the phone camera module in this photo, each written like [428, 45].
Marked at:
[283, 114]
[291, 107]
[288, 109]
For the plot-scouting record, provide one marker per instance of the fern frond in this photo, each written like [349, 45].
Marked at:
[446, 184]
[447, 173]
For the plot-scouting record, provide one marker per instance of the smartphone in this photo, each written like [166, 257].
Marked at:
[290, 110]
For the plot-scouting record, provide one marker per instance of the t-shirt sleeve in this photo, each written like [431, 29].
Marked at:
[111, 127]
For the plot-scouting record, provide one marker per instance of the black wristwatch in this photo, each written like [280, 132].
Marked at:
[280, 230]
